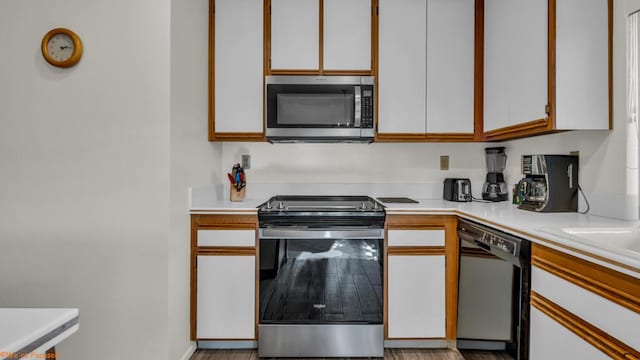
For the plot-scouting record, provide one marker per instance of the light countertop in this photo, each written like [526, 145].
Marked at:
[545, 228]
[33, 330]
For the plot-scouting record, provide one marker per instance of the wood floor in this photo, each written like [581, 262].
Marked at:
[393, 354]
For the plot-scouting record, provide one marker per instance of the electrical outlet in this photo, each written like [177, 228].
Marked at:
[246, 162]
[444, 162]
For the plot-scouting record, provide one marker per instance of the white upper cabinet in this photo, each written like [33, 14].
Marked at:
[515, 62]
[347, 34]
[450, 66]
[402, 62]
[295, 34]
[582, 63]
[238, 66]
[426, 66]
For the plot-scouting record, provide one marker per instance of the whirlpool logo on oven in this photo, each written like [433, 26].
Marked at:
[319, 306]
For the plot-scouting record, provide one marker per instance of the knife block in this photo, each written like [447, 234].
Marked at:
[235, 195]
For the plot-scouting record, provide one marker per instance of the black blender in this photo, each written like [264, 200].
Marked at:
[494, 188]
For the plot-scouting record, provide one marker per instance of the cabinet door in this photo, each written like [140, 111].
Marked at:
[226, 289]
[347, 34]
[402, 73]
[238, 66]
[416, 296]
[515, 67]
[551, 340]
[582, 64]
[450, 66]
[295, 34]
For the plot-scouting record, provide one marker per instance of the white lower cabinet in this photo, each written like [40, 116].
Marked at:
[416, 296]
[551, 340]
[226, 293]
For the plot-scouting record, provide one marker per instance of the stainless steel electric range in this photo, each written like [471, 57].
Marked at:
[321, 276]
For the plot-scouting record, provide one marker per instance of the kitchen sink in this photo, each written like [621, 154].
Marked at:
[623, 238]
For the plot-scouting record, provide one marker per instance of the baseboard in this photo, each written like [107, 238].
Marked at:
[190, 350]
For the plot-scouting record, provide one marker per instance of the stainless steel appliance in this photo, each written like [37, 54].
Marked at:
[321, 277]
[550, 183]
[494, 188]
[493, 291]
[457, 190]
[320, 108]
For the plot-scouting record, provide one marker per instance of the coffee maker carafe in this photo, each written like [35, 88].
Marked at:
[494, 188]
[550, 183]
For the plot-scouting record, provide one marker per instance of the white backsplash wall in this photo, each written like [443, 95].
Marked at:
[357, 163]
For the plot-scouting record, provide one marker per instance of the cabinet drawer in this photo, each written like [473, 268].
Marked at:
[227, 238]
[416, 238]
[617, 321]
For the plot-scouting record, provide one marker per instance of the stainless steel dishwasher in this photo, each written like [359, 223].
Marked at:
[493, 291]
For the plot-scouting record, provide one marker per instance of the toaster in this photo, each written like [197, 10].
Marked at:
[457, 190]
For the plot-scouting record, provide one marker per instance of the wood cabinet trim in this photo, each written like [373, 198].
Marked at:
[234, 136]
[610, 346]
[233, 221]
[450, 137]
[418, 222]
[226, 251]
[616, 287]
[535, 127]
[416, 250]
[403, 137]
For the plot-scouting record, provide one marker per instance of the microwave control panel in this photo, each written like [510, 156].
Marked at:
[367, 107]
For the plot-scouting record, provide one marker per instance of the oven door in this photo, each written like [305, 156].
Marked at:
[321, 276]
[319, 107]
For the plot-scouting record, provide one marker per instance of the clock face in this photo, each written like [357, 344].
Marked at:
[60, 47]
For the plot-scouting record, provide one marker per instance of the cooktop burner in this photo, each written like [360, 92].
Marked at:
[290, 210]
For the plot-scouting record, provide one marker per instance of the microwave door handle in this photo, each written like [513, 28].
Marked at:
[357, 117]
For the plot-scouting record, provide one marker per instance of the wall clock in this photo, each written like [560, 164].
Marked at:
[61, 47]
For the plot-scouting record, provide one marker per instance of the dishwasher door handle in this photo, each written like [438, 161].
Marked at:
[482, 245]
[466, 236]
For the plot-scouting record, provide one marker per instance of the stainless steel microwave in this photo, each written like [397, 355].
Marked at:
[320, 108]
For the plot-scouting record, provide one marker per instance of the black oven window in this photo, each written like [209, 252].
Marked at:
[321, 281]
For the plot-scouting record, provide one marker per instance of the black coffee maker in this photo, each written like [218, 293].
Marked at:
[494, 188]
[550, 183]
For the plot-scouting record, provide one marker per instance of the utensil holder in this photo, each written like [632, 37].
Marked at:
[235, 195]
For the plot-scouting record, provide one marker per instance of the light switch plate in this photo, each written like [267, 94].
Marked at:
[246, 162]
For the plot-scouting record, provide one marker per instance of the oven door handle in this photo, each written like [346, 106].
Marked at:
[321, 234]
